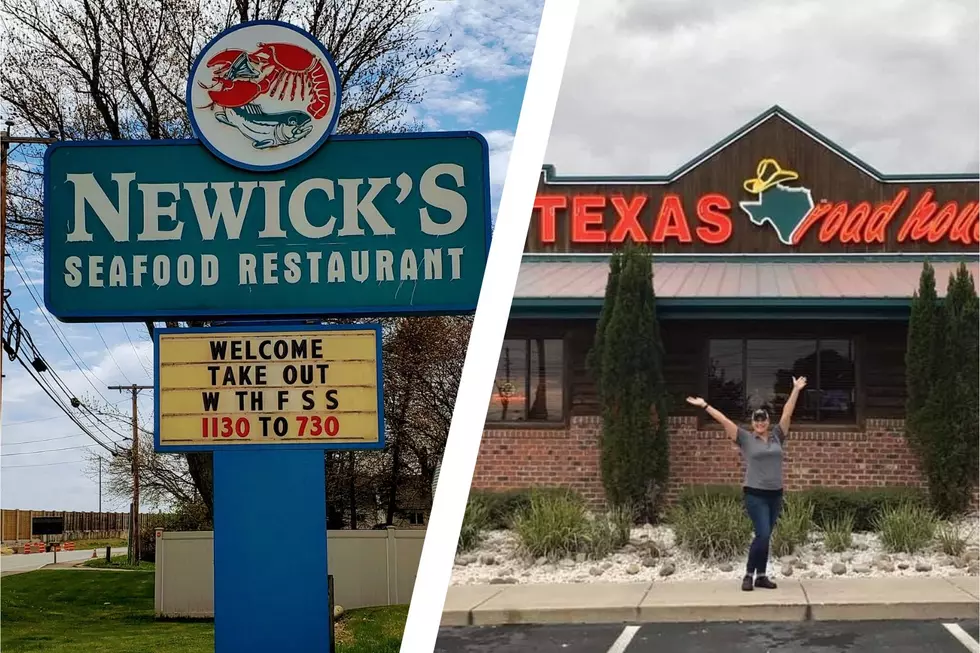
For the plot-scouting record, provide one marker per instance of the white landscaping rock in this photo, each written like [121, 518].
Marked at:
[504, 549]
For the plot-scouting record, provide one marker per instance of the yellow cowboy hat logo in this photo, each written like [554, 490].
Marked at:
[767, 174]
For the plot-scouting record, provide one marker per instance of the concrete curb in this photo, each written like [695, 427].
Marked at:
[852, 599]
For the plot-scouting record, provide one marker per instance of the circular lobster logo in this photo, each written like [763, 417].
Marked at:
[263, 95]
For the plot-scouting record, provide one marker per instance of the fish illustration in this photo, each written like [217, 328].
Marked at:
[267, 130]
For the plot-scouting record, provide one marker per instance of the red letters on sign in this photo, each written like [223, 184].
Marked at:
[860, 224]
[548, 205]
[966, 228]
[959, 225]
[639, 220]
[713, 210]
[882, 216]
[586, 216]
[671, 222]
[628, 223]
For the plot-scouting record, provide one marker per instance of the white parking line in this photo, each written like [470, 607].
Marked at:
[624, 639]
[964, 637]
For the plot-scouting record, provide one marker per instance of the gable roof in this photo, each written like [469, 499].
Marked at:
[549, 175]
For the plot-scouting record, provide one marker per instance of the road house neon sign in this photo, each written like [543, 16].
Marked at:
[789, 211]
[711, 221]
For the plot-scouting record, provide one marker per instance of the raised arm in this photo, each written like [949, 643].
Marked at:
[731, 429]
[787, 416]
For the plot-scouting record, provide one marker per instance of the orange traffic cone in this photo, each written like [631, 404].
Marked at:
[93, 554]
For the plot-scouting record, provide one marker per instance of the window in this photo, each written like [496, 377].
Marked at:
[529, 385]
[747, 374]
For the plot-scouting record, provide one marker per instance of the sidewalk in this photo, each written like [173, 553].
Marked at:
[837, 599]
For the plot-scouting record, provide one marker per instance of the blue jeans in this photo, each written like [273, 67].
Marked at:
[763, 511]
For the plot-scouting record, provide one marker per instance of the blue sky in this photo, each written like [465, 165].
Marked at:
[45, 461]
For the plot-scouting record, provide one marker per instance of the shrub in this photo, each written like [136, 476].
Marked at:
[608, 533]
[553, 525]
[690, 494]
[907, 528]
[942, 369]
[626, 362]
[793, 526]
[712, 528]
[475, 520]
[837, 532]
[949, 539]
[502, 507]
[188, 517]
[622, 519]
[864, 503]
[952, 462]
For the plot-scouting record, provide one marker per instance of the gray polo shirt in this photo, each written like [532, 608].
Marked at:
[763, 458]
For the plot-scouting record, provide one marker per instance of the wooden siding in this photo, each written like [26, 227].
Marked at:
[829, 176]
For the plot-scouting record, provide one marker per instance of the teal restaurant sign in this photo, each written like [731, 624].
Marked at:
[369, 225]
[267, 216]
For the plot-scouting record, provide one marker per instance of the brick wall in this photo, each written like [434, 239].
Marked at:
[876, 456]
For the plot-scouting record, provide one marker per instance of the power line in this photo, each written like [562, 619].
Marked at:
[25, 335]
[63, 462]
[136, 351]
[45, 419]
[47, 391]
[72, 353]
[61, 437]
[34, 421]
[109, 351]
[25, 453]
[74, 402]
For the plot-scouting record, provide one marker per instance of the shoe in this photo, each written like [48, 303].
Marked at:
[765, 583]
[747, 584]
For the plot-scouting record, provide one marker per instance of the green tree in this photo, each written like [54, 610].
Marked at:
[942, 370]
[955, 398]
[921, 358]
[594, 358]
[628, 358]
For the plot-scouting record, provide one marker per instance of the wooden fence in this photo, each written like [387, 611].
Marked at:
[376, 567]
[16, 525]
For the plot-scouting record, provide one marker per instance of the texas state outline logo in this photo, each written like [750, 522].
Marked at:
[783, 207]
[263, 95]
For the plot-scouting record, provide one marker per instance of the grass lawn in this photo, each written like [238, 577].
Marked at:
[118, 562]
[85, 545]
[77, 611]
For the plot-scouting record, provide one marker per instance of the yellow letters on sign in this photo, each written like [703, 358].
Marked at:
[292, 387]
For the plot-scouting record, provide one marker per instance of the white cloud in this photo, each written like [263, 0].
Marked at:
[500, 141]
[649, 85]
[492, 40]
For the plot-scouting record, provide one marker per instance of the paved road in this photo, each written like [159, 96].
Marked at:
[19, 563]
[796, 637]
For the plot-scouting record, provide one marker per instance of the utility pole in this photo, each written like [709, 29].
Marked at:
[5, 140]
[100, 485]
[134, 525]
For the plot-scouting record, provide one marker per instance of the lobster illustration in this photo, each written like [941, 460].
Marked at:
[273, 68]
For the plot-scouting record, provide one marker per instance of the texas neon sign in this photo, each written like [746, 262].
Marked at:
[788, 210]
[712, 223]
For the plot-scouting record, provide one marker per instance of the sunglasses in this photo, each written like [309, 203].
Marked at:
[760, 416]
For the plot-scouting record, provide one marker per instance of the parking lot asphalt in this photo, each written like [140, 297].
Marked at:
[793, 637]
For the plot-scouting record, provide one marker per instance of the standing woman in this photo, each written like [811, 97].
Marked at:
[762, 450]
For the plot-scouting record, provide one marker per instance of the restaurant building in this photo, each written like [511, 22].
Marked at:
[776, 254]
